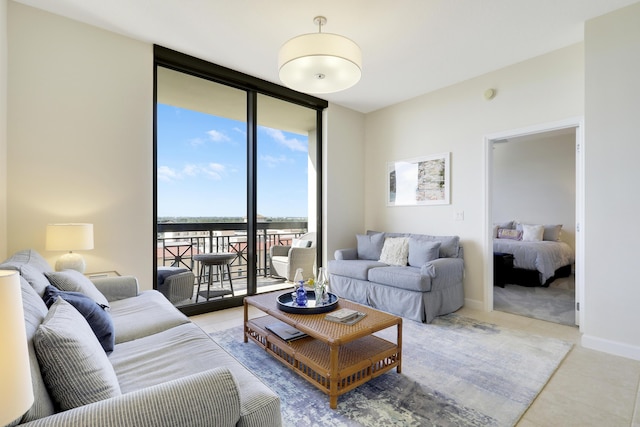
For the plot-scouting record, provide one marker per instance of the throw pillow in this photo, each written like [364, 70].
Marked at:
[395, 251]
[552, 232]
[74, 366]
[370, 246]
[532, 233]
[422, 251]
[299, 243]
[74, 281]
[99, 319]
[507, 233]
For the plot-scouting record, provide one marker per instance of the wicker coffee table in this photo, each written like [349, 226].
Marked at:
[334, 357]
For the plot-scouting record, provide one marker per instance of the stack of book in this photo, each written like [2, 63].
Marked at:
[285, 332]
[345, 316]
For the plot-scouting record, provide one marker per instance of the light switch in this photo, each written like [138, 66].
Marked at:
[459, 215]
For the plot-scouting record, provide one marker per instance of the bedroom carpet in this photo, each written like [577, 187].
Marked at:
[455, 372]
[554, 304]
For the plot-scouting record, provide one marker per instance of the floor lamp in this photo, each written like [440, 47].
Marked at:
[16, 391]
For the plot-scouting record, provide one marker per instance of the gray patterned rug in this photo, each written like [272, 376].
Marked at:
[455, 372]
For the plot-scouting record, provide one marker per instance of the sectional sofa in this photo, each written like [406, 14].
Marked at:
[105, 354]
[416, 276]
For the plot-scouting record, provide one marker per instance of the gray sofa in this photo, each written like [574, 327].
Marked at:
[168, 371]
[418, 277]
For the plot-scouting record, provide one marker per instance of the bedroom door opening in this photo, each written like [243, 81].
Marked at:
[535, 176]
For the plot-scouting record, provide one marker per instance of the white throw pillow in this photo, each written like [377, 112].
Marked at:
[395, 251]
[532, 233]
[74, 366]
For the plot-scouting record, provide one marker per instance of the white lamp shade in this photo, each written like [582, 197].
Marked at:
[69, 237]
[320, 63]
[16, 391]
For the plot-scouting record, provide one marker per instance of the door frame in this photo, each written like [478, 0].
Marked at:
[578, 124]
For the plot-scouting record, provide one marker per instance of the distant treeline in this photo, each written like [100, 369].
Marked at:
[198, 219]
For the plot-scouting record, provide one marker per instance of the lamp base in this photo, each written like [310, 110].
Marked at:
[71, 261]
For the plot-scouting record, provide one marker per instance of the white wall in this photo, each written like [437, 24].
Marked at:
[534, 181]
[344, 178]
[80, 126]
[3, 129]
[612, 150]
[456, 119]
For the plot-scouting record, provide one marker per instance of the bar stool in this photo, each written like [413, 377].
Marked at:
[220, 260]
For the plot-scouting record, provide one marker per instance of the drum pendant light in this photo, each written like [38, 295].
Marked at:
[320, 62]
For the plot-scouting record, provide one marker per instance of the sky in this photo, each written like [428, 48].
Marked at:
[202, 167]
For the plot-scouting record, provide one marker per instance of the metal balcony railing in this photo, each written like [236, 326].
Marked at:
[177, 243]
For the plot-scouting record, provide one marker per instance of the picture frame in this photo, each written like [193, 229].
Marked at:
[419, 181]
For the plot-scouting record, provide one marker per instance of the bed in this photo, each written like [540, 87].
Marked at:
[535, 262]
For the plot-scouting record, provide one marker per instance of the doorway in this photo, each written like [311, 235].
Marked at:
[542, 163]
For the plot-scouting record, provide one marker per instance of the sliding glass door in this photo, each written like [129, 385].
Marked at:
[236, 182]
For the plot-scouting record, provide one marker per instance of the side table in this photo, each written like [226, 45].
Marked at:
[219, 260]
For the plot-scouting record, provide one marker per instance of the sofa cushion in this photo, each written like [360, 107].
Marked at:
[370, 246]
[74, 366]
[31, 257]
[409, 278]
[395, 251]
[98, 318]
[35, 277]
[181, 351]
[422, 251]
[74, 281]
[357, 269]
[449, 245]
[34, 313]
[131, 319]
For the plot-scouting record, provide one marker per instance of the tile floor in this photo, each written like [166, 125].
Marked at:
[590, 388]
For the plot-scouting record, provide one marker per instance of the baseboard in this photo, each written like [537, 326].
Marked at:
[611, 347]
[474, 304]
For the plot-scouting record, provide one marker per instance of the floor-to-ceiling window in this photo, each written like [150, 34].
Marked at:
[237, 173]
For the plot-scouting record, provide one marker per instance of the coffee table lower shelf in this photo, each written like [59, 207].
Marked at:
[357, 361]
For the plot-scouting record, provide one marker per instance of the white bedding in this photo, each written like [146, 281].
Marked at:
[544, 256]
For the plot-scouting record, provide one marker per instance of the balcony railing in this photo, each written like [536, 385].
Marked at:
[179, 242]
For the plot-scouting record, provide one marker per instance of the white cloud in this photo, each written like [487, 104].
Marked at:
[191, 170]
[216, 136]
[214, 170]
[272, 161]
[292, 143]
[165, 173]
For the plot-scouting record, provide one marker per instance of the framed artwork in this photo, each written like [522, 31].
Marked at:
[419, 181]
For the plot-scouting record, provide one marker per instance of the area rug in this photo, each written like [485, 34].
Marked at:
[553, 304]
[455, 372]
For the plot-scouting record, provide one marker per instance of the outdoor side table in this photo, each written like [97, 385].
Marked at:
[219, 260]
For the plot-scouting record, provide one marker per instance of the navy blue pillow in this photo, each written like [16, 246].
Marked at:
[99, 319]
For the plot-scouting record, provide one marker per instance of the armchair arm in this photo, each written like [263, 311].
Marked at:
[207, 398]
[447, 272]
[116, 288]
[351, 253]
[279, 250]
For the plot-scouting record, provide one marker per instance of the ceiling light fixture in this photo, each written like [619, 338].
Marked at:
[320, 62]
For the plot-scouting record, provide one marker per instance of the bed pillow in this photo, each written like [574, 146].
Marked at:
[370, 246]
[74, 366]
[97, 317]
[552, 232]
[508, 233]
[499, 225]
[395, 251]
[532, 233]
[422, 251]
[74, 281]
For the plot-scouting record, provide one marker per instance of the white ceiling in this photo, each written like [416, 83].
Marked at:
[409, 47]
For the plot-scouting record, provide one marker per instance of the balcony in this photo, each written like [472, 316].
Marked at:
[177, 243]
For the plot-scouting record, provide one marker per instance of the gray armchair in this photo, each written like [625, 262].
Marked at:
[285, 259]
[175, 283]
